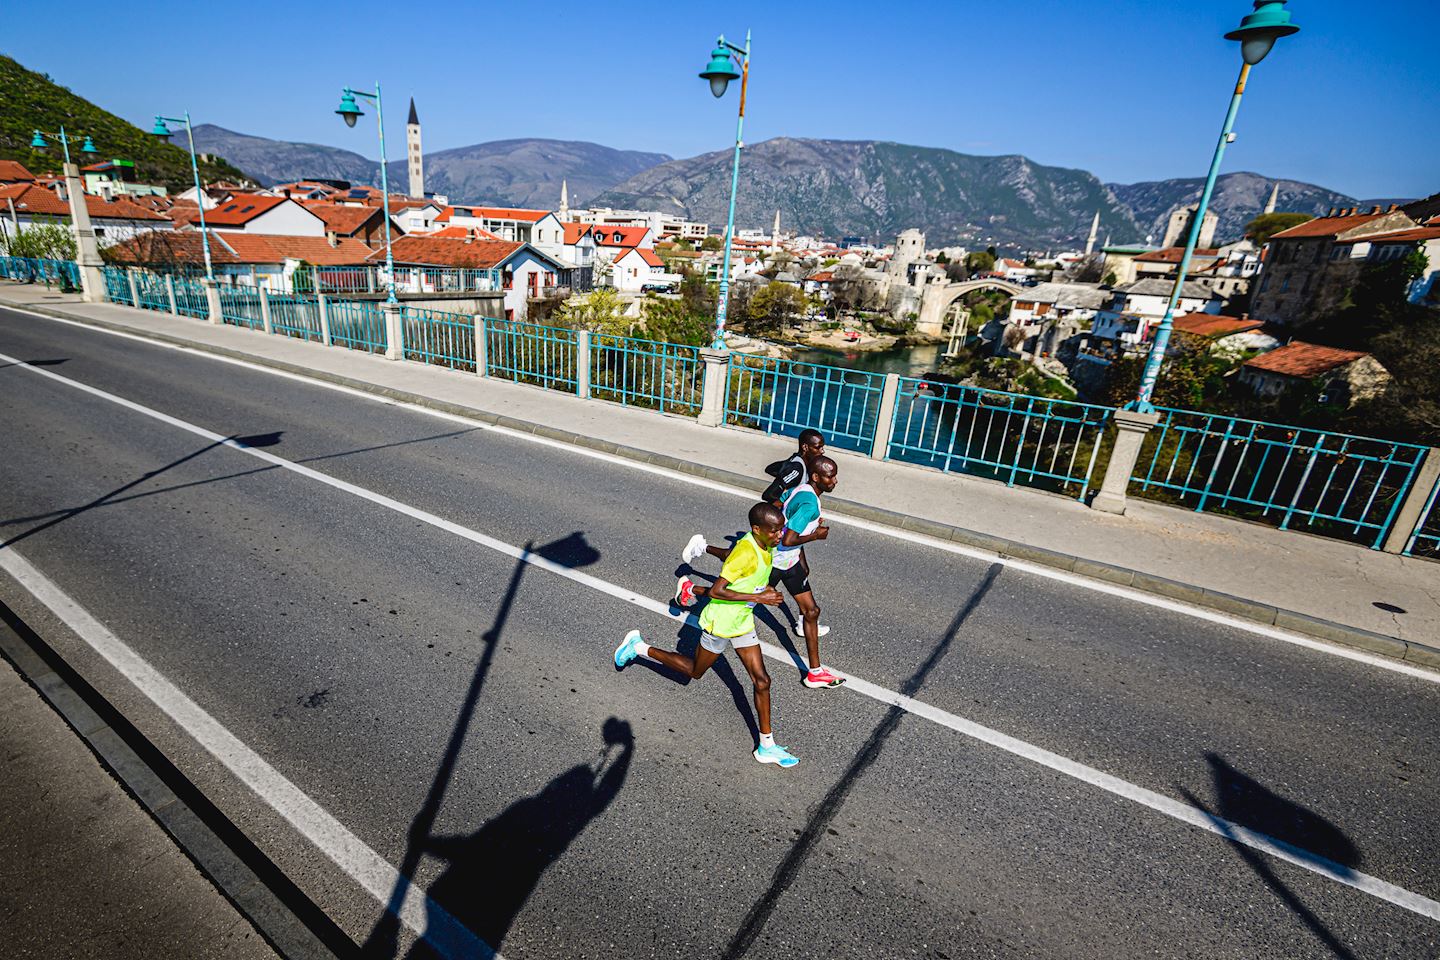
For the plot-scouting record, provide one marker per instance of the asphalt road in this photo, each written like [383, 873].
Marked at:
[450, 706]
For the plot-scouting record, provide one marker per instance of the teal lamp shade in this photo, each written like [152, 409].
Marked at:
[348, 110]
[1258, 32]
[37, 142]
[719, 71]
[160, 130]
[89, 147]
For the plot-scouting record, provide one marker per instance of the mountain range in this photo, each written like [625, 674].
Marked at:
[524, 172]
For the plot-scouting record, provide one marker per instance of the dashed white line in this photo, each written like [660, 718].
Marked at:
[339, 844]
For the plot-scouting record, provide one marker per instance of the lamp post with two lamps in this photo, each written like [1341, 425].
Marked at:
[1257, 34]
[163, 132]
[349, 111]
[87, 250]
[720, 71]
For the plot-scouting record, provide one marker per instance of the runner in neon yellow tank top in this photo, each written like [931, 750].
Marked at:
[729, 620]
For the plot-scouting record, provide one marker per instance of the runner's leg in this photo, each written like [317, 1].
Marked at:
[754, 662]
[692, 667]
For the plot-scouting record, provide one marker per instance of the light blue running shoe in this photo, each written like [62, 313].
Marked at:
[777, 755]
[626, 652]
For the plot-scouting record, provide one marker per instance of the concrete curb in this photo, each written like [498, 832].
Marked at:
[1339, 633]
[284, 917]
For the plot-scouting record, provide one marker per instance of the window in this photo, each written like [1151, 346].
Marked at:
[508, 278]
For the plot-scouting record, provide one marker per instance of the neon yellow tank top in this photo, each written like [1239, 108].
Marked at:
[747, 570]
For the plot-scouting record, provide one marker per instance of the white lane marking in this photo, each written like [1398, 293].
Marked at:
[1234, 832]
[895, 533]
[372, 871]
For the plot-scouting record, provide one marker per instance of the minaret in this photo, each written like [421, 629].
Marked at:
[1274, 197]
[414, 160]
[1094, 232]
[564, 202]
[775, 233]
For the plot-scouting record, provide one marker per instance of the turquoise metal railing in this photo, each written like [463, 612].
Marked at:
[1424, 540]
[787, 396]
[529, 353]
[356, 324]
[295, 316]
[240, 306]
[1335, 484]
[117, 284]
[433, 336]
[190, 299]
[151, 288]
[1034, 441]
[445, 279]
[646, 373]
[40, 270]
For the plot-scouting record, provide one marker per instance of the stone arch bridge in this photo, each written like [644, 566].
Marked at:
[936, 298]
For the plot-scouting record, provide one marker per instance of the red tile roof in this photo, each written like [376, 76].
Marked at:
[187, 246]
[241, 209]
[1417, 235]
[340, 219]
[1173, 255]
[1326, 226]
[12, 171]
[459, 233]
[1304, 360]
[493, 213]
[477, 254]
[606, 235]
[574, 231]
[824, 276]
[1214, 325]
[650, 256]
[37, 200]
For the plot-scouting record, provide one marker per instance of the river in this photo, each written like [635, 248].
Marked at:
[906, 361]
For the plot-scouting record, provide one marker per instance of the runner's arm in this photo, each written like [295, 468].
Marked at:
[792, 539]
[720, 590]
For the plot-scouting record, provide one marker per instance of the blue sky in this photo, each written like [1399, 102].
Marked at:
[1128, 89]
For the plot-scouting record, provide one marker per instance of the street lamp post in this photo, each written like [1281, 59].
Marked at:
[163, 132]
[1257, 34]
[720, 71]
[349, 111]
[87, 250]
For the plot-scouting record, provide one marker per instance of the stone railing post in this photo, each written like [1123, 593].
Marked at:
[1408, 515]
[885, 421]
[265, 310]
[322, 307]
[582, 364]
[712, 394]
[1130, 431]
[482, 346]
[212, 299]
[170, 292]
[134, 287]
[87, 247]
[394, 332]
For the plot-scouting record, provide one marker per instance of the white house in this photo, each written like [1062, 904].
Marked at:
[1055, 302]
[539, 228]
[23, 205]
[639, 268]
[1131, 316]
[1013, 270]
[273, 216]
[413, 216]
[526, 273]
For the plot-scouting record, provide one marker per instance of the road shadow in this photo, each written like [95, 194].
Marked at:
[825, 811]
[491, 873]
[58, 517]
[688, 640]
[37, 363]
[464, 854]
[1245, 802]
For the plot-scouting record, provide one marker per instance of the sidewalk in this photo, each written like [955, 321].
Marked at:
[1325, 579]
[84, 871]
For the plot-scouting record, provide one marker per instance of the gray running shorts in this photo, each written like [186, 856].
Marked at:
[717, 644]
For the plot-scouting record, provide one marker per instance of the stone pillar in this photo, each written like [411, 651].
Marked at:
[394, 332]
[1408, 516]
[323, 309]
[265, 310]
[482, 346]
[712, 395]
[885, 422]
[582, 364]
[134, 287]
[170, 293]
[212, 299]
[1130, 431]
[87, 250]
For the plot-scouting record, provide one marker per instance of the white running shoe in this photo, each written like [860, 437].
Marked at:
[799, 630]
[694, 549]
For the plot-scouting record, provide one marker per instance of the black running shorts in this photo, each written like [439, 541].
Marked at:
[796, 580]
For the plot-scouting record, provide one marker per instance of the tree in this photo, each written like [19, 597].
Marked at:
[941, 257]
[674, 321]
[600, 311]
[980, 261]
[772, 306]
[1191, 379]
[1265, 226]
[712, 243]
[1110, 279]
[49, 240]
